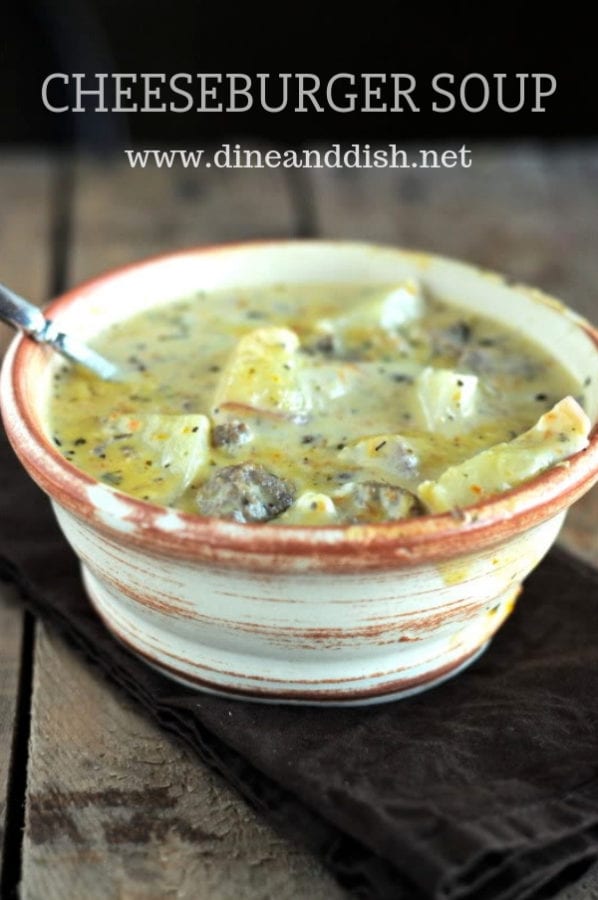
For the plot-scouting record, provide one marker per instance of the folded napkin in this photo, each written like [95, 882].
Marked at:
[485, 788]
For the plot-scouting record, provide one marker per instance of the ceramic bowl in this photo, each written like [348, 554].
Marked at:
[350, 614]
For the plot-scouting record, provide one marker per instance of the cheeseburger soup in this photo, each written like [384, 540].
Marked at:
[317, 404]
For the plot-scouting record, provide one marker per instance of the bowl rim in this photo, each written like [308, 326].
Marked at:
[369, 545]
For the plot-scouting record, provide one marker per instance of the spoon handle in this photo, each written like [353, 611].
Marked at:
[28, 318]
[20, 313]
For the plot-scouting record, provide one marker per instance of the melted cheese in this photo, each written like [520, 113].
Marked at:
[350, 394]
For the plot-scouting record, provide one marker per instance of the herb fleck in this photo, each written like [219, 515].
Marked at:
[113, 478]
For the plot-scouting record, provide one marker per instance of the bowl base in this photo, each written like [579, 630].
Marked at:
[306, 701]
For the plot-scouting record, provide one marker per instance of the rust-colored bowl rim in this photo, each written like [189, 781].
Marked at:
[350, 547]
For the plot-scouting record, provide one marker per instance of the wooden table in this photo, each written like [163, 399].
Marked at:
[95, 802]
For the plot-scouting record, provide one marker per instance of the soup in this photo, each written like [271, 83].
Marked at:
[317, 404]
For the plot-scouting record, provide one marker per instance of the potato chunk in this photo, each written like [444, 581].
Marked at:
[267, 375]
[389, 456]
[445, 399]
[181, 444]
[262, 374]
[557, 435]
[399, 307]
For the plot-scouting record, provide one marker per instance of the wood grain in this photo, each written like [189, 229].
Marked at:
[114, 807]
[121, 214]
[11, 636]
[25, 225]
[117, 810]
[526, 211]
[521, 210]
[25, 194]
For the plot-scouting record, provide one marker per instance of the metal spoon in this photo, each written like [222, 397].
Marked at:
[29, 319]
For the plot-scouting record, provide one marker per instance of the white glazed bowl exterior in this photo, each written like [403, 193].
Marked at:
[299, 614]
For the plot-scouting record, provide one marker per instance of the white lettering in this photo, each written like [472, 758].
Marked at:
[439, 90]
[305, 92]
[149, 92]
[263, 79]
[121, 92]
[350, 97]
[45, 86]
[207, 94]
[485, 92]
[181, 76]
[540, 94]
[403, 92]
[500, 92]
[98, 92]
[237, 91]
[373, 93]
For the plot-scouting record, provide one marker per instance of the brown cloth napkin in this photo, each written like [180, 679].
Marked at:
[485, 788]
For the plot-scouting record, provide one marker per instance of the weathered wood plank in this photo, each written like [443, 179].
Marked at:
[527, 212]
[521, 210]
[115, 808]
[11, 636]
[25, 189]
[122, 214]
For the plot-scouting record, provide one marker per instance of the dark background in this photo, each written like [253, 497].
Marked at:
[44, 36]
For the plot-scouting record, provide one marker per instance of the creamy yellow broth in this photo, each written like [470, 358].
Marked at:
[356, 399]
